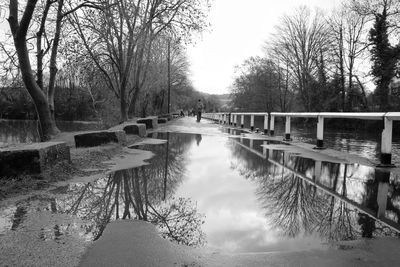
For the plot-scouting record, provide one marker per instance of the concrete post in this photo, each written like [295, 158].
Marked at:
[287, 129]
[272, 126]
[386, 143]
[252, 122]
[242, 121]
[235, 120]
[320, 133]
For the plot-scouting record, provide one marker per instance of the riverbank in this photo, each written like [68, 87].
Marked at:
[84, 162]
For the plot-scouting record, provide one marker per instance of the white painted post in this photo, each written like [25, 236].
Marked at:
[242, 121]
[386, 143]
[252, 123]
[235, 120]
[320, 133]
[272, 126]
[266, 124]
[287, 129]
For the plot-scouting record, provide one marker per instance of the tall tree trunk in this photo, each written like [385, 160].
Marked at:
[48, 126]
[53, 59]
[341, 67]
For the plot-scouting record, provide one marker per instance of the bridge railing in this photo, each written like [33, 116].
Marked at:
[269, 125]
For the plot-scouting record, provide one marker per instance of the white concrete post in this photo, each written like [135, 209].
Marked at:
[386, 143]
[266, 124]
[287, 129]
[252, 122]
[235, 120]
[242, 121]
[320, 132]
[272, 126]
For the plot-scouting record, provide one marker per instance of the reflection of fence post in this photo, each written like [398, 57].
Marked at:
[272, 125]
[317, 169]
[320, 133]
[266, 124]
[287, 129]
[383, 189]
[386, 143]
[242, 121]
[251, 143]
[285, 158]
[265, 149]
[252, 122]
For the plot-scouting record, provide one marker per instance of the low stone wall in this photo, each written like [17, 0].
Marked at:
[97, 138]
[135, 128]
[162, 120]
[32, 158]
[151, 122]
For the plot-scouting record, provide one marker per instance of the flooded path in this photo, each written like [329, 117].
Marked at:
[208, 187]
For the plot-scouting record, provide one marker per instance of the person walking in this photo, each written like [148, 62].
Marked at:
[199, 108]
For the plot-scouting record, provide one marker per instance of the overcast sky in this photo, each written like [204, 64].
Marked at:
[238, 30]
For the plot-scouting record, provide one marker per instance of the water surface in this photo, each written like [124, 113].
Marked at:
[228, 193]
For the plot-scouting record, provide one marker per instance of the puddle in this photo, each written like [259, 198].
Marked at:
[230, 194]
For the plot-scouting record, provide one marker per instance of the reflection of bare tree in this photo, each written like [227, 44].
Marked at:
[138, 194]
[288, 191]
[290, 202]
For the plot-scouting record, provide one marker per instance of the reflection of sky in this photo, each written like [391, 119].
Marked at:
[234, 220]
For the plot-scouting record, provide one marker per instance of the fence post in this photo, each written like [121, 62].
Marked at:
[242, 121]
[266, 124]
[252, 123]
[386, 143]
[320, 133]
[287, 129]
[235, 120]
[272, 125]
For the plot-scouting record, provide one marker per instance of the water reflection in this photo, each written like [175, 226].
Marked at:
[338, 201]
[233, 193]
[144, 193]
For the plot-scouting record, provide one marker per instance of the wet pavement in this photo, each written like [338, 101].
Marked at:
[213, 187]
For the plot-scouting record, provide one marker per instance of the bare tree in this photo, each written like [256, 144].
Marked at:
[19, 29]
[349, 42]
[300, 40]
[120, 39]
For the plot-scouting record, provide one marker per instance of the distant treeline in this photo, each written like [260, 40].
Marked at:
[326, 62]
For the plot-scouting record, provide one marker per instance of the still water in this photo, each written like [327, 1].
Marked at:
[228, 193]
